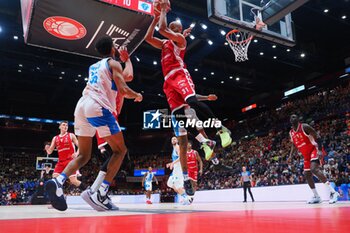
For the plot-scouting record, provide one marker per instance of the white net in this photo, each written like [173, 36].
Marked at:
[239, 43]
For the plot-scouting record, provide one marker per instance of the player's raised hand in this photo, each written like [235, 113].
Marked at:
[164, 4]
[187, 32]
[170, 166]
[123, 54]
[212, 97]
[139, 98]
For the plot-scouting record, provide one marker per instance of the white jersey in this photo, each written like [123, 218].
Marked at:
[149, 177]
[177, 170]
[101, 86]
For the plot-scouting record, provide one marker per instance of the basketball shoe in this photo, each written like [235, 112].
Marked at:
[55, 192]
[314, 200]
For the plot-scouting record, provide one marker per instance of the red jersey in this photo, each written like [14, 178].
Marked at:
[65, 147]
[172, 58]
[192, 160]
[305, 143]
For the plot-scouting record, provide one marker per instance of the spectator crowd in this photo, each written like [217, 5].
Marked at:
[262, 144]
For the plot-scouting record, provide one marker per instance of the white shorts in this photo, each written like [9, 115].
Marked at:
[175, 181]
[90, 116]
[148, 186]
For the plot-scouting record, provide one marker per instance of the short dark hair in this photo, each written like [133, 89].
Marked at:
[104, 45]
[63, 122]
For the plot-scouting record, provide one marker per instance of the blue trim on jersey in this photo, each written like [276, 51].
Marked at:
[174, 155]
[107, 119]
[114, 86]
[176, 126]
[107, 64]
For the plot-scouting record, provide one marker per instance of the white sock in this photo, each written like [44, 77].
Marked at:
[315, 192]
[61, 178]
[330, 187]
[97, 183]
[104, 188]
[200, 138]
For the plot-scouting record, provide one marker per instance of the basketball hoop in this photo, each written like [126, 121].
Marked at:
[239, 42]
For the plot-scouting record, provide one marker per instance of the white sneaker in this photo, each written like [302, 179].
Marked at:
[334, 198]
[314, 200]
[103, 201]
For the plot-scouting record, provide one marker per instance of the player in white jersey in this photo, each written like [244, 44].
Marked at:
[176, 179]
[147, 183]
[94, 113]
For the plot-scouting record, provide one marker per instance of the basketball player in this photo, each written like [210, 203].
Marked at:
[193, 159]
[94, 113]
[309, 144]
[147, 184]
[178, 85]
[64, 143]
[175, 180]
[102, 145]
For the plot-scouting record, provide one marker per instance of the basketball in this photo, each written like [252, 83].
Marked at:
[157, 7]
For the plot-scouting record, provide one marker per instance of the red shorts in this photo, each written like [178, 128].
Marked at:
[193, 175]
[308, 157]
[177, 88]
[60, 166]
[100, 141]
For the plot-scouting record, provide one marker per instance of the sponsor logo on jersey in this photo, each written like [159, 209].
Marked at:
[145, 6]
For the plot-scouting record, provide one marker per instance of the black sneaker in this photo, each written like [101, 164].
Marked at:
[188, 188]
[55, 193]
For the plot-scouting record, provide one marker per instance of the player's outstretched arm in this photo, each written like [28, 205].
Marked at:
[211, 97]
[76, 143]
[149, 37]
[50, 149]
[166, 32]
[128, 72]
[118, 78]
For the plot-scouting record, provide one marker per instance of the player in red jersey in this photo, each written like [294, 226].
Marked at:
[64, 143]
[193, 159]
[307, 141]
[178, 85]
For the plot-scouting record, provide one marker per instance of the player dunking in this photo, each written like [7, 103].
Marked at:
[309, 144]
[94, 113]
[178, 85]
[193, 159]
[65, 143]
[147, 183]
[176, 179]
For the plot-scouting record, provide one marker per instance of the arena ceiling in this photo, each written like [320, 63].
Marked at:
[44, 83]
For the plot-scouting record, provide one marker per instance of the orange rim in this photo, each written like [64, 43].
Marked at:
[235, 42]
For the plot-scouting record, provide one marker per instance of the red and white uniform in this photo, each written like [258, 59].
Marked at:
[66, 150]
[119, 104]
[178, 84]
[192, 165]
[305, 144]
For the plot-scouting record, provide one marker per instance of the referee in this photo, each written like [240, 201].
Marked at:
[246, 178]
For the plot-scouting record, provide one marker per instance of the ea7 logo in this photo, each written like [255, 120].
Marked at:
[152, 119]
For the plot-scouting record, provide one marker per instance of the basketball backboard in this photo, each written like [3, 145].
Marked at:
[238, 14]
